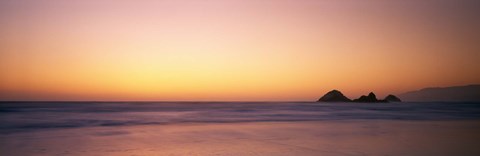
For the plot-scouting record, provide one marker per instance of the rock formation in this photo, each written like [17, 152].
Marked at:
[337, 96]
[334, 96]
[370, 98]
[392, 98]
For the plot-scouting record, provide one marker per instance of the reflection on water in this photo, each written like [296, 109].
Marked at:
[28, 116]
[238, 129]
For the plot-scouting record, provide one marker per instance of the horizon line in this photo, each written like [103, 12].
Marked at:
[200, 101]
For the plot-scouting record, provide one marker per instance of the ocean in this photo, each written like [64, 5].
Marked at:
[18, 117]
[238, 129]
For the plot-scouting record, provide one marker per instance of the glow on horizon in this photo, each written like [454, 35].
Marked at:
[272, 50]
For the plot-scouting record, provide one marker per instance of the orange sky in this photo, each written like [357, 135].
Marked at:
[233, 50]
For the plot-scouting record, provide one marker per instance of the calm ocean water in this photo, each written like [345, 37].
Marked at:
[33, 116]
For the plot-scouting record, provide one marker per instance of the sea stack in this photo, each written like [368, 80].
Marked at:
[392, 98]
[370, 98]
[334, 96]
[337, 96]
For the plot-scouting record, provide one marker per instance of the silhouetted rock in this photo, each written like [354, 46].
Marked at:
[334, 96]
[371, 98]
[392, 98]
[337, 96]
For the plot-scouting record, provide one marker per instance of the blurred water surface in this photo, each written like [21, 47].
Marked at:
[31, 116]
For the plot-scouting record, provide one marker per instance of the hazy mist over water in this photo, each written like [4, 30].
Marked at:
[33, 116]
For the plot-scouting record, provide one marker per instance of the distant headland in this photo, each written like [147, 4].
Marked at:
[337, 96]
[467, 93]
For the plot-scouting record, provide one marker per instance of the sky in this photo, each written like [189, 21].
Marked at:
[233, 50]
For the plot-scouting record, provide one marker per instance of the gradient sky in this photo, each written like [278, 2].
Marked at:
[224, 50]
